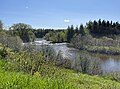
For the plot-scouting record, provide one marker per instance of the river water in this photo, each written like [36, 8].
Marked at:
[108, 62]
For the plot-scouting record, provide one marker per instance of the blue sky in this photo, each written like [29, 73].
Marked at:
[57, 13]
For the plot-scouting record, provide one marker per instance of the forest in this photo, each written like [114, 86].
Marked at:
[25, 68]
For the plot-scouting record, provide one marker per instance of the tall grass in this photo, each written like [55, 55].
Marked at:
[34, 70]
[62, 79]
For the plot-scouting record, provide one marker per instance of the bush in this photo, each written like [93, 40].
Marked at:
[25, 61]
[86, 64]
[32, 61]
[13, 42]
[3, 52]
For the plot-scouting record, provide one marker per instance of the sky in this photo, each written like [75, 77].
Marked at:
[57, 13]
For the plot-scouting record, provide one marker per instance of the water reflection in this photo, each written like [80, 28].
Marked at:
[108, 62]
[111, 64]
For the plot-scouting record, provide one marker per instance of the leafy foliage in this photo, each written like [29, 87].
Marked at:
[62, 78]
[24, 31]
[3, 52]
[57, 36]
[32, 69]
[40, 33]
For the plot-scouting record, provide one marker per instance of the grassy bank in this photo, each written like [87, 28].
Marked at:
[61, 79]
[103, 49]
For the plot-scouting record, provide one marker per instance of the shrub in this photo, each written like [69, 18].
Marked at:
[87, 64]
[25, 61]
[3, 52]
[13, 42]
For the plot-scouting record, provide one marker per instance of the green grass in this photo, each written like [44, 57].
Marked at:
[62, 79]
[106, 49]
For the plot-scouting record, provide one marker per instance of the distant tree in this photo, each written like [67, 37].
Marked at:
[82, 31]
[108, 24]
[89, 25]
[104, 23]
[114, 24]
[111, 23]
[56, 36]
[24, 31]
[104, 26]
[70, 33]
[117, 23]
[76, 30]
[95, 27]
[21, 26]
[40, 33]
[99, 22]
[76, 41]
[99, 26]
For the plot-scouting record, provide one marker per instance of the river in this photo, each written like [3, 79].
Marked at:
[108, 62]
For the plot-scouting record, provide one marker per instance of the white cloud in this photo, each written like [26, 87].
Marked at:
[66, 20]
[26, 7]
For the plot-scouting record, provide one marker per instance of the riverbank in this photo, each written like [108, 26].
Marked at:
[68, 51]
[99, 49]
[103, 49]
[108, 46]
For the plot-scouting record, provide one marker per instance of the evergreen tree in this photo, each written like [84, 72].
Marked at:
[82, 32]
[99, 22]
[108, 24]
[89, 25]
[94, 27]
[70, 33]
[99, 26]
[76, 30]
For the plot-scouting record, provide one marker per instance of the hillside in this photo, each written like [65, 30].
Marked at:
[63, 79]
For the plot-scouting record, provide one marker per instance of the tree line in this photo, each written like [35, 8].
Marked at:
[95, 28]
[103, 28]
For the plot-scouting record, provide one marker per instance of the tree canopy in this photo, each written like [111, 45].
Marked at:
[24, 31]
